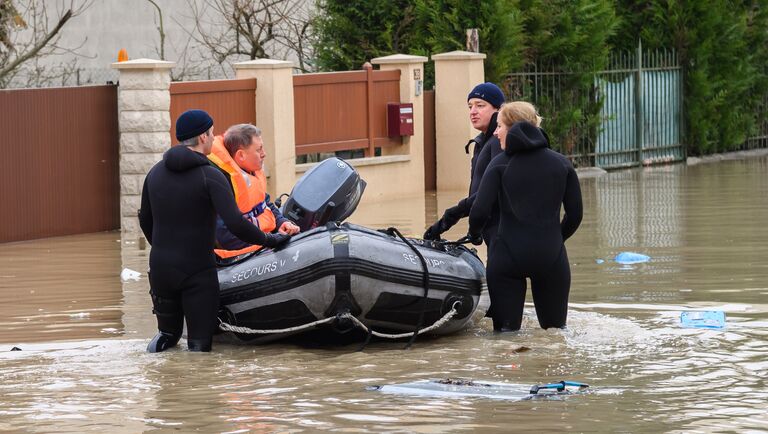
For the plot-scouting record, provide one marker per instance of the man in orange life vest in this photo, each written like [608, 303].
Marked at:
[240, 155]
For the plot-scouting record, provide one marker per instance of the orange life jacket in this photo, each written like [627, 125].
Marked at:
[250, 194]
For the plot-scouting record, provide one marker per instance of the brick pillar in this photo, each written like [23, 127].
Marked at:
[274, 115]
[456, 73]
[144, 101]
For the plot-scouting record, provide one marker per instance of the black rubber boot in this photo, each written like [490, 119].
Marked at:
[505, 325]
[162, 341]
[199, 345]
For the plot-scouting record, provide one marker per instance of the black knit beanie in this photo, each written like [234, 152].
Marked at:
[192, 123]
[488, 92]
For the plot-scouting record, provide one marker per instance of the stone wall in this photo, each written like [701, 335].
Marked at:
[144, 103]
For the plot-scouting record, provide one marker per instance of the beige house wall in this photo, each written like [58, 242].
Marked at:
[274, 115]
[456, 73]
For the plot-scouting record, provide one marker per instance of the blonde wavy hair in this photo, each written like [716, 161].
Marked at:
[517, 111]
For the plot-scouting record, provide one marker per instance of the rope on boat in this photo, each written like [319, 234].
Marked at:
[237, 329]
[439, 323]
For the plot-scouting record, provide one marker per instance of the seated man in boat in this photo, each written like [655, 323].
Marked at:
[240, 155]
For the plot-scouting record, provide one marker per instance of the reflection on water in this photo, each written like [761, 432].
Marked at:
[82, 332]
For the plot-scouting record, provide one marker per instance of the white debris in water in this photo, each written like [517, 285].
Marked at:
[80, 315]
[128, 274]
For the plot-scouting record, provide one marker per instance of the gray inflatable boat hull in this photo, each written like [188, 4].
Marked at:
[336, 269]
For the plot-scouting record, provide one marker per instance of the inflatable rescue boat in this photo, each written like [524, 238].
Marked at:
[339, 277]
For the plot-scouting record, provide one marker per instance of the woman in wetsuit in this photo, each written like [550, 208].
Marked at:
[529, 182]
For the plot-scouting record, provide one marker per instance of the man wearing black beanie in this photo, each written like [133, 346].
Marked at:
[181, 197]
[484, 102]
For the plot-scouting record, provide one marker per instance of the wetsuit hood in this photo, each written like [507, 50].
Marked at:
[491, 127]
[181, 158]
[524, 136]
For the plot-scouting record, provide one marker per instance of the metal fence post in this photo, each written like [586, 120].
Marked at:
[639, 103]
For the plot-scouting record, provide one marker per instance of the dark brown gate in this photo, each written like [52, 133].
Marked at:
[430, 145]
[59, 172]
[228, 102]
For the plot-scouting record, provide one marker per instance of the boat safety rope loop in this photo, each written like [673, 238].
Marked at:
[425, 283]
[237, 329]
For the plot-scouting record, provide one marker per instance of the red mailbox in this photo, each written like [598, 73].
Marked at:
[399, 119]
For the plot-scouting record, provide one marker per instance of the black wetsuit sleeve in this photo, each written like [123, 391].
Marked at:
[571, 205]
[224, 203]
[479, 166]
[145, 213]
[485, 199]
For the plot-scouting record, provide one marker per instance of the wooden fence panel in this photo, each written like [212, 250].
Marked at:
[228, 102]
[59, 174]
[344, 110]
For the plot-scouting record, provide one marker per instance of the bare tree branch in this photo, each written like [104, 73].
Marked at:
[27, 34]
[160, 29]
[235, 30]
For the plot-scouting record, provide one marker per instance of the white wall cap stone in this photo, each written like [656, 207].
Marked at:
[458, 55]
[145, 99]
[265, 64]
[398, 58]
[152, 142]
[144, 121]
[143, 64]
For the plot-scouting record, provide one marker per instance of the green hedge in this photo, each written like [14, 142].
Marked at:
[723, 47]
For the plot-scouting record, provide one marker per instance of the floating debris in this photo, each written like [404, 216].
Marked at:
[464, 388]
[128, 274]
[710, 319]
[629, 258]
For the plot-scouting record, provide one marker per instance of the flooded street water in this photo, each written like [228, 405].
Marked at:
[83, 333]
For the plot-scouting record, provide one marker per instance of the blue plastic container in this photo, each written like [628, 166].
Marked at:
[709, 319]
[629, 258]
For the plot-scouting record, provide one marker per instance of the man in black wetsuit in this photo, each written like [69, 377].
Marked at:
[529, 182]
[181, 197]
[484, 102]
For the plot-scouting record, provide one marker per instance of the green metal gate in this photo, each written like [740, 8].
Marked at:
[630, 114]
[641, 115]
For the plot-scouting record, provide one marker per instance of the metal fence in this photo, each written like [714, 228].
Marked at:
[627, 115]
[760, 138]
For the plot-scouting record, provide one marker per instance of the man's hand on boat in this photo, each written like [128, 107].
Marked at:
[289, 228]
[276, 240]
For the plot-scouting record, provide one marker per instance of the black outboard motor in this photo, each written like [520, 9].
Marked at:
[330, 191]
